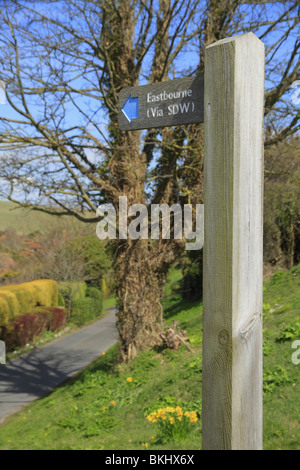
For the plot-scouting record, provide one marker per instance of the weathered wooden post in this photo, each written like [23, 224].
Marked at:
[233, 184]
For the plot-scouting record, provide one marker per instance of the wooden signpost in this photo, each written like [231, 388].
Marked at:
[170, 103]
[233, 263]
[233, 200]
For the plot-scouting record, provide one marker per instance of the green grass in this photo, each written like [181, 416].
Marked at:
[101, 409]
[26, 221]
[22, 220]
[109, 302]
[281, 376]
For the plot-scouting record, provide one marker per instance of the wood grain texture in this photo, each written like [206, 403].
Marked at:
[232, 284]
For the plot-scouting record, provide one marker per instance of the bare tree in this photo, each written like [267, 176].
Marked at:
[64, 64]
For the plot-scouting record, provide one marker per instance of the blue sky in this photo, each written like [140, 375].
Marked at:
[187, 61]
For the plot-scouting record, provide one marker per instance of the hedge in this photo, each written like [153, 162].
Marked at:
[72, 291]
[87, 309]
[27, 327]
[94, 293]
[20, 298]
[61, 300]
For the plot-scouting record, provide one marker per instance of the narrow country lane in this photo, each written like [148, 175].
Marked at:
[33, 374]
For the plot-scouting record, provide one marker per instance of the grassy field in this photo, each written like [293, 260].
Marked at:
[25, 221]
[105, 406]
[22, 220]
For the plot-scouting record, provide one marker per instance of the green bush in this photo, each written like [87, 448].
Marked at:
[72, 291]
[105, 289]
[83, 302]
[61, 300]
[94, 293]
[85, 310]
[96, 256]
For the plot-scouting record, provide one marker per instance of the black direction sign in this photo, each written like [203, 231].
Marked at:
[163, 104]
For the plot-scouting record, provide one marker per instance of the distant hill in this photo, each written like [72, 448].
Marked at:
[25, 221]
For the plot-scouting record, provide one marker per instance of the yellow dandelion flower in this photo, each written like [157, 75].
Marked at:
[129, 379]
[153, 438]
[103, 354]
[113, 403]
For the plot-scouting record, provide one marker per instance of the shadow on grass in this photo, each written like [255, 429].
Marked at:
[173, 310]
[179, 306]
[106, 363]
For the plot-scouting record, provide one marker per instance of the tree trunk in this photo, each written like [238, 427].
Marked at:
[139, 289]
[140, 266]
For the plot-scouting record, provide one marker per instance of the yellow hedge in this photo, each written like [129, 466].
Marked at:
[104, 289]
[21, 298]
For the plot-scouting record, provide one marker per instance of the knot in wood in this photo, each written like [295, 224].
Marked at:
[223, 337]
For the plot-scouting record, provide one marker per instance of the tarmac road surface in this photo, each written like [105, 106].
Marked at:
[36, 373]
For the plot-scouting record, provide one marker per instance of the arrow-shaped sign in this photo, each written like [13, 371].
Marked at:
[131, 108]
[161, 104]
